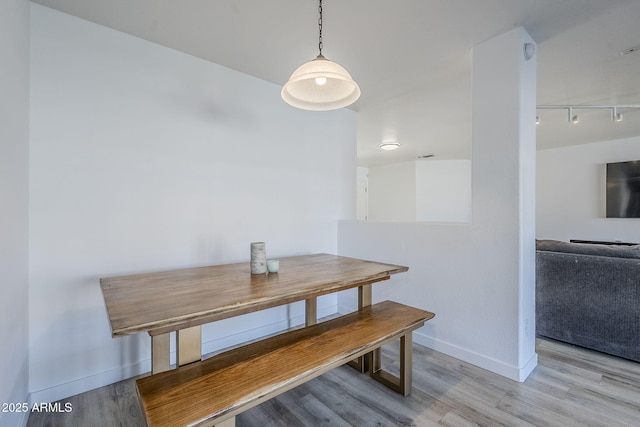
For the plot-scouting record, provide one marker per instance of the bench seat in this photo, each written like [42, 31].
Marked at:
[213, 390]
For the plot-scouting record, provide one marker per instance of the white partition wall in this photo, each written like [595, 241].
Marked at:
[443, 190]
[478, 277]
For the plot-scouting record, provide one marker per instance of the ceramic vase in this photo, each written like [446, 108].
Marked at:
[258, 258]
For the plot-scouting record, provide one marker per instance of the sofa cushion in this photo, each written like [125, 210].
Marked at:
[617, 251]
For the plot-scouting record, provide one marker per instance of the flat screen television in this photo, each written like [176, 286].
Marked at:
[623, 189]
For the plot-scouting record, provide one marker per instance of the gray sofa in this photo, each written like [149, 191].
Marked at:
[589, 295]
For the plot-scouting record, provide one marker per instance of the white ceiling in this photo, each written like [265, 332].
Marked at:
[411, 58]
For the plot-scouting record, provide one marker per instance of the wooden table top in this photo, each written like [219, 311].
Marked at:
[171, 300]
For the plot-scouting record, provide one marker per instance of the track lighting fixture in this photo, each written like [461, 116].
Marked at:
[616, 117]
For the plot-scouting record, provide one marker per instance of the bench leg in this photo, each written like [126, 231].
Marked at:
[402, 384]
[360, 364]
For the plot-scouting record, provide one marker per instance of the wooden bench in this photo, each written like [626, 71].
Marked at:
[213, 391]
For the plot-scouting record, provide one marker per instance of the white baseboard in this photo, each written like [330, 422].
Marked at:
[63, 391]
[514, 373]
[528, 368]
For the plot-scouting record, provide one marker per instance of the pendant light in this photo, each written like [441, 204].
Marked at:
[320, 84]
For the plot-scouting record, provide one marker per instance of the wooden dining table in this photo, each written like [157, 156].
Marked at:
[184, 299]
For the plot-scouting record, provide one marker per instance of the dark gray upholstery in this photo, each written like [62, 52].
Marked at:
[589, 295]
[613, 250]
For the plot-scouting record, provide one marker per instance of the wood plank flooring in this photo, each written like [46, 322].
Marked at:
[570, 387]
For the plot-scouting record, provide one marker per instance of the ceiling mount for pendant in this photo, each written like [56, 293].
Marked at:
[320, 84]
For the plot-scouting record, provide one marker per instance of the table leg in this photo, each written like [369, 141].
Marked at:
[311, 311]
[188, 345]
[159, 353]
[364, 296]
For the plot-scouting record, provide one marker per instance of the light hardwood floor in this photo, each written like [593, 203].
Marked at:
[570, 387]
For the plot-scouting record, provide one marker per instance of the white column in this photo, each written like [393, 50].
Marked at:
[504, 99]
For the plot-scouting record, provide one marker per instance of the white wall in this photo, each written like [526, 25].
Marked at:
[443, 190]
[392, 192]
[14, 196]
[571, 192]
[420, 190]
[362, 193]
[478, 278]
[142, 159]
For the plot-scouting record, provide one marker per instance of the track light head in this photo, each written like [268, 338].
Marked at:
[615, 116]
[572, 118]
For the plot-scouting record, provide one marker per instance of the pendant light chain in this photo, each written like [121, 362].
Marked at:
[320, 27]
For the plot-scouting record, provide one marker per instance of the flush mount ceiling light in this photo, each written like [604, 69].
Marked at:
[320, 84]
[389, 146]
[616, 117]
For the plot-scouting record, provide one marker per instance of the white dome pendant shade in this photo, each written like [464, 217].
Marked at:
[320, 85]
